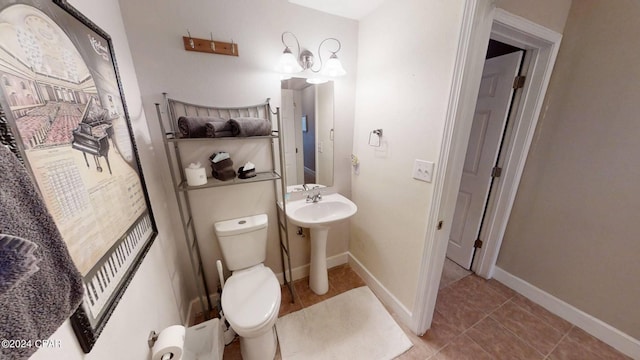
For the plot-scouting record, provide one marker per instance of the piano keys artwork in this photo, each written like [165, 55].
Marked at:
[61, 95]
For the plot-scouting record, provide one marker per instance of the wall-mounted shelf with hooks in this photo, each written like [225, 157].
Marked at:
[210, 46]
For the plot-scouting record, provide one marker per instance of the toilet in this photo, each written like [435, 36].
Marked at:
[251, 296]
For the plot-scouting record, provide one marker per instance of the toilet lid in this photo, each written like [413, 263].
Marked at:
[250, 297]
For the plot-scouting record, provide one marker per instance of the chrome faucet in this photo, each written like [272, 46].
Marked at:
[315, 197]
[307, 187]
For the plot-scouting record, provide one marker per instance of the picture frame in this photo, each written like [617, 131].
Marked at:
[64, 114]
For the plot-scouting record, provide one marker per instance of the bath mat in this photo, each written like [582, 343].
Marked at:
[353, 325]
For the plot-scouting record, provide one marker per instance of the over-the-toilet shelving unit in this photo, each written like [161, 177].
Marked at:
[172, 140]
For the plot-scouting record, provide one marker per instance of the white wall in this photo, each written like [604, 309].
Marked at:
[404, 90]
[407, 50]
[155, 30]
[149, 302]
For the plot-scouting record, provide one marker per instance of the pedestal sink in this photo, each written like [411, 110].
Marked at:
[319, 217]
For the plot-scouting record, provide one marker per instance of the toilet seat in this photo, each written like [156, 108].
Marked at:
[251, 299]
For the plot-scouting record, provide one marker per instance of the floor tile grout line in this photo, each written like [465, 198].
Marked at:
[561, 339]
[470, 338]
[505, 328]
[545, 321]
[471, 327]
[485, 315]
[522, 339]
[542, 319]
[455, 281]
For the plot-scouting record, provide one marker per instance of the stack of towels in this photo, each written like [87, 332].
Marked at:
[214, 127]
[222, 166]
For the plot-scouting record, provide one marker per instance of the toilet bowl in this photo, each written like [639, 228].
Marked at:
[251, 296]
[251, 301]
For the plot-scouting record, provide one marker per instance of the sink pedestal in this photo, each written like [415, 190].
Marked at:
[319, 217]
[318, 277]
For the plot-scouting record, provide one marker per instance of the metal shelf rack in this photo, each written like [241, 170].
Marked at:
[172, 141]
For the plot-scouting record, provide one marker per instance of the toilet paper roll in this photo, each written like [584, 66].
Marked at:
[196, 175]
[170, 343]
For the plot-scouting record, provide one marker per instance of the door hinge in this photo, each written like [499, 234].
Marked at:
[518, 82]
[477, 244]
[496, 171]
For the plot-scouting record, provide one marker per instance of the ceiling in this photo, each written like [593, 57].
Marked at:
[352, 9]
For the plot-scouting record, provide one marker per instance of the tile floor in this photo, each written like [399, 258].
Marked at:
[475, 319]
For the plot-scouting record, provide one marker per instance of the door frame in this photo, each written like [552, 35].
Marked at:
[481, 21]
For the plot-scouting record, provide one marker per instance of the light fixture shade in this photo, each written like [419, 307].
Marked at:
[333, 67]
[288, 63]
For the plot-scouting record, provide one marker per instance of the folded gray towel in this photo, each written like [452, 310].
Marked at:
[195, 126]
[216, 129]
[246, 126]
[221, 165]
[36, 305]
[224, 174]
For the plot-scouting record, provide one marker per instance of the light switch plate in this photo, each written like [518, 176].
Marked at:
[423, 170]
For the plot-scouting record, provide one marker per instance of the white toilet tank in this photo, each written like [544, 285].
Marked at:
[243, 241]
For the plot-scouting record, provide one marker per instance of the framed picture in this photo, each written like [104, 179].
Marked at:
[304, 123]
[66, 116]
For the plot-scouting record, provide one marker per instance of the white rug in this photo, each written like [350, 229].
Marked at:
[353, 325]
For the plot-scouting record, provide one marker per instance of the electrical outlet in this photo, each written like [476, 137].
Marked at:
[423, 170]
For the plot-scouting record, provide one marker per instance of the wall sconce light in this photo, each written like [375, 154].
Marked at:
[303, 60]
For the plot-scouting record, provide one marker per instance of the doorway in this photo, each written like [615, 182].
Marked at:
[481, 21]
[501, 79]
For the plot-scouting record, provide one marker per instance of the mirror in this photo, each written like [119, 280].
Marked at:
[307, 117]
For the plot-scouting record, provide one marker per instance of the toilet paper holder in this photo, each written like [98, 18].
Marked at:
[153, 337]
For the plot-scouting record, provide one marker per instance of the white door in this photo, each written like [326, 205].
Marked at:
[494, 98]
[324, 133]
[288, 122]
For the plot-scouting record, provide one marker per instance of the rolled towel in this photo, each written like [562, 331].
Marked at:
[215, 129]
[246, 126]
[195, 126]
[224, 174]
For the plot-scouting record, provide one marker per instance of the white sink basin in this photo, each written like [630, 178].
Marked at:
[331, 209]
[319, 217]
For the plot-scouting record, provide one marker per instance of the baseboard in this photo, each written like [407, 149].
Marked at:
[303, 271]
[598, 328]
[381, 291]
